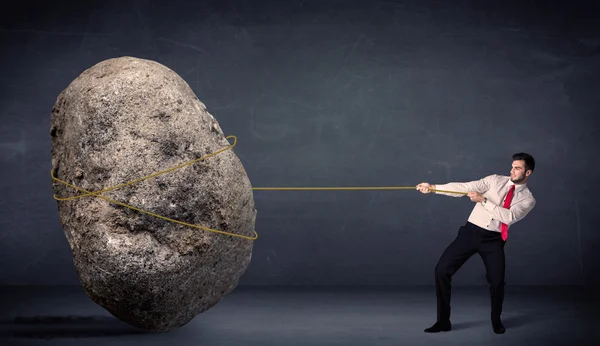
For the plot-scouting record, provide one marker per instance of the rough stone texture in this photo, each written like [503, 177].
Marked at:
[123, 119]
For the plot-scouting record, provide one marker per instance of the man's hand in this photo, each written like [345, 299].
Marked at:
[425, 187]
[475, 196]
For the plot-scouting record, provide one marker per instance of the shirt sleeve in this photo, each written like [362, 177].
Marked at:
[515, 213]
[481, 186]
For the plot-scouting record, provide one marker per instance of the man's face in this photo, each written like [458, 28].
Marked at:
[517, 173]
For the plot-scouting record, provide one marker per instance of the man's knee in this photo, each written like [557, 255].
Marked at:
[496, 281]
[442, 270]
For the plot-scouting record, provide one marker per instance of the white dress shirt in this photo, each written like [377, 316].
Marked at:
[491, 214]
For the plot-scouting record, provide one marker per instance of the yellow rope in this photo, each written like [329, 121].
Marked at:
[354, 188]
[97, 193]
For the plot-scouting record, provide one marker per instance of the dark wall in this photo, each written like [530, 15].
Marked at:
[335, 93]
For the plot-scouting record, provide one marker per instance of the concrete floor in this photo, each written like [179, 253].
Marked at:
[311, 316]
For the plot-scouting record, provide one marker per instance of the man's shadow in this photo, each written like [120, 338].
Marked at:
[54, 327]
[509, 322]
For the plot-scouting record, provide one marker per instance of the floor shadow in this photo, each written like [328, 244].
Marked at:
[73, 326]
[519, 320]
[509, 322]
[467, 325]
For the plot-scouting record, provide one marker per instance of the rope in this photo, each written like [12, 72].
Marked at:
[349, 188]
[97, 193]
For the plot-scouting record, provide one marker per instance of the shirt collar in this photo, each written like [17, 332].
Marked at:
[517, 187]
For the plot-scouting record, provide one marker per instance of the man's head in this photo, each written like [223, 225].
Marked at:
[522, 167]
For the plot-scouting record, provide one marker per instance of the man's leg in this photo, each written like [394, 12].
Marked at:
[492, 254]
[454, 256]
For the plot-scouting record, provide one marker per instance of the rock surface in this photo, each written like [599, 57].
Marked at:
[124, 119]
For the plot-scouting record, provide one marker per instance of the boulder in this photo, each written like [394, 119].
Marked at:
[124, 119]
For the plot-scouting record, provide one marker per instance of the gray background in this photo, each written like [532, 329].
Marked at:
[335, 93]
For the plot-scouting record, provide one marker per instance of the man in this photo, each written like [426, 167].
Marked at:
[501, 201]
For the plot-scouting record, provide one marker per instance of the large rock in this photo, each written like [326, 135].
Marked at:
[125, 119]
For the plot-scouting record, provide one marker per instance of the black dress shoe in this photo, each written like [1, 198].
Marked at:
[439, 327]
[498, 327]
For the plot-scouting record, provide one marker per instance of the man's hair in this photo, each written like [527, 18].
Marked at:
[529, 161]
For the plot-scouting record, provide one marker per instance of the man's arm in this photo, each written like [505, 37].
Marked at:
[510, 216]
[481, 186]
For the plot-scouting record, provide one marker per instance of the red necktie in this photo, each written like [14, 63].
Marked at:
[507, 205]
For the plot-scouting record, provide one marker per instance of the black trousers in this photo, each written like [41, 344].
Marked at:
[471, 239]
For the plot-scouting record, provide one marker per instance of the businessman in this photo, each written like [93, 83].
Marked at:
[500, 202]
